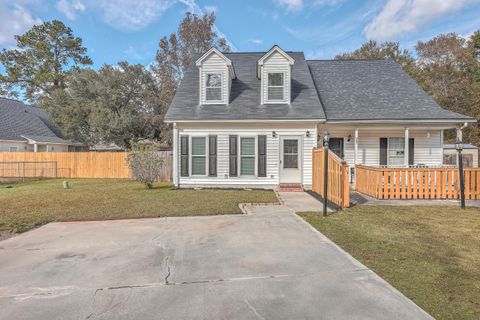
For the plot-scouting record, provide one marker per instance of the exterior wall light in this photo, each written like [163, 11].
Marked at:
[307, 134]
[274, 134]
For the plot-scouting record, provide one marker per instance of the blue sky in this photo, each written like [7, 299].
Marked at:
[115, 30]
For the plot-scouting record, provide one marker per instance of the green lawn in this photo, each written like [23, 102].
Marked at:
[431, 254]
[30, 204]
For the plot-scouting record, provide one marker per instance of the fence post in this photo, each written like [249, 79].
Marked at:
[345, 186]
[325, 173]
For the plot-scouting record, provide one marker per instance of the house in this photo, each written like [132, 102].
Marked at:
[27, 129]
[469, 155]
[253, 118]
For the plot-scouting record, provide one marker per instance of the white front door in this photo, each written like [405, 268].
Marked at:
[291, 159]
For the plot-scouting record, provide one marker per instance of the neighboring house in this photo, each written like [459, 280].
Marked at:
[469, 155]
[252, 119]
[27, 129]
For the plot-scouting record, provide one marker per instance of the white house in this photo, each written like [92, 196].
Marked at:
[252, 119]
[27, 129]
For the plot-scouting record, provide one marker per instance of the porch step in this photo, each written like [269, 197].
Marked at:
[290, 187]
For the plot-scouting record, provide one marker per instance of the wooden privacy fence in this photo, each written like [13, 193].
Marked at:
[416, 183]
[73, 165]
[338, 189]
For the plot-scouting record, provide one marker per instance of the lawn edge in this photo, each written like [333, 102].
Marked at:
[353, 259]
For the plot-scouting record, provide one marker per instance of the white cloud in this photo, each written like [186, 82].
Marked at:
[210, 9]
[132, 53]
[133, 15]
[291, 5]
[256, 41]
[70, 8]
[14, 20]
[400, 17]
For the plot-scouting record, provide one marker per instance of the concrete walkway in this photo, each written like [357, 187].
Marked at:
[269, 264]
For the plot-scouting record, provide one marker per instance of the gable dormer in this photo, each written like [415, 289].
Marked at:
[215, 76]
[274, 70]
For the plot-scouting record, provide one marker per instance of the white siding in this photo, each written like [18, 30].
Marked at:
[273, 152]
[214, 64]
[473, 152]
[21, 146]
[428, 143]
[276, 63]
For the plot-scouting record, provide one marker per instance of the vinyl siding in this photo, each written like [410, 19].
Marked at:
[428, 150]
[276, 63]
[214, 64]
[473, 152]
[273, 153]
[24, 147]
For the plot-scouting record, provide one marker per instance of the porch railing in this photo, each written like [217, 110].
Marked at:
[416, 183]
[338, 191]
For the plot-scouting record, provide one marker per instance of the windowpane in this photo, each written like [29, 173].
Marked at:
[247, 146]
[290, 146]
[214, 94]
[275, 93]
[247, 166]
[198, 146]
[198, 165]
[290, 161]
[214, 80]
[396, 151]
[275, 79]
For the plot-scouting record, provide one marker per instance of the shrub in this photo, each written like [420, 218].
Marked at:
[145, 164]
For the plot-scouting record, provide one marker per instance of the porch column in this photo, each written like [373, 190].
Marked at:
[406, 147]
[176, 150]
[355, 153]
[35, 147]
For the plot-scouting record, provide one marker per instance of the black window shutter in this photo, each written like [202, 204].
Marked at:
[233, 156]
[262, 156]
[184, 156]
[411, 148]
[212, 156]
[383, 151]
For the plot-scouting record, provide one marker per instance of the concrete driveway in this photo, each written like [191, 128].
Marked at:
[268, 264]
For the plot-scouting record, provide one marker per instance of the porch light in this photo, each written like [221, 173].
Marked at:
[307, 134]
[274, 134]
[326, 137]
[349, 138]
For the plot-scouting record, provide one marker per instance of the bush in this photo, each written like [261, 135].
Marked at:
[145, 164]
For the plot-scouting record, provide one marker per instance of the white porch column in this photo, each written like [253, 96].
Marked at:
[355, 153]
[176, 150]
[35, 147]
[406, 152]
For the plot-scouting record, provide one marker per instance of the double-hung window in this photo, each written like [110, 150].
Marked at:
[276, 83]
[199, 156]
[247, 156]
[213, 87]
[396, 152]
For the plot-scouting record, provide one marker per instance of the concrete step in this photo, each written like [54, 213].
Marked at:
[290, 187]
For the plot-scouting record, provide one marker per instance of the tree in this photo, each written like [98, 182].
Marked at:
[114, 104]
[45, 55]
[145, 164]
[195, 35]
[372, 50]
[448, 69]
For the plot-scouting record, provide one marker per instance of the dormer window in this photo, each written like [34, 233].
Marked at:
[213, 87]
[216, 73]
[276, 86]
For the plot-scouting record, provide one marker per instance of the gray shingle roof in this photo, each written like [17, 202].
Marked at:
[373, 90]
[245, 95]
[18, 121]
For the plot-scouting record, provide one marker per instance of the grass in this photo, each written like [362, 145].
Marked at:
[31, 204]
[430, 254]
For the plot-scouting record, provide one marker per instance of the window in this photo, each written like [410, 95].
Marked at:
[214, 87]
[275, 86]
[290, 154]
[13, 149]
[247, 156]
[396, 152]
[199, 161]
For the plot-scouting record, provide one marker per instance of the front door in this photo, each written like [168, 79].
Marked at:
[336, 145]
[291, 159]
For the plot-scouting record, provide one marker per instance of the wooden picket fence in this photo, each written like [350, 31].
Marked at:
[338, 190]
[416, 183]
[73, 165]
